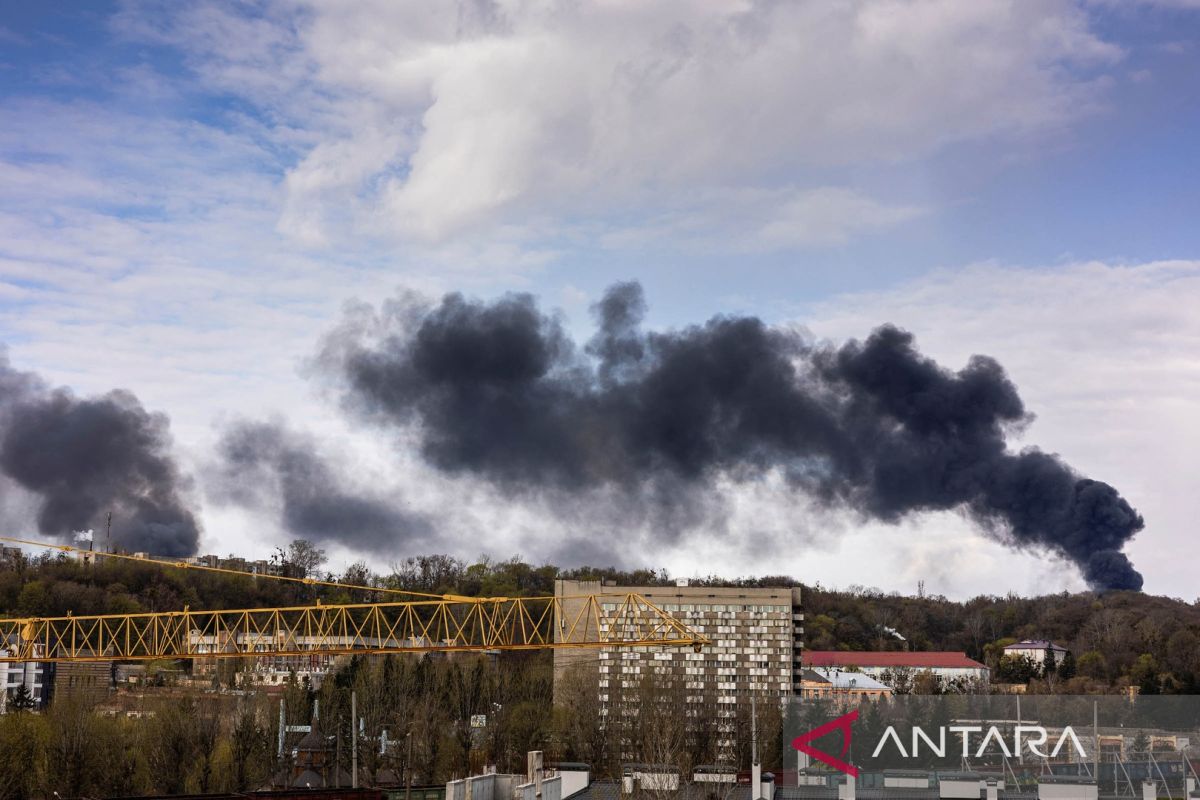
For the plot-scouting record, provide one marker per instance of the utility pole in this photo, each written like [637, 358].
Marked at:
[353, 740]
[408, 768]
[755, 767]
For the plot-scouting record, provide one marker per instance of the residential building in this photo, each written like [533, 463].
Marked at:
[948, 666]
[839, 684]
[1037, 650]
[10, 556]
[87, 681]
[756, 636]
[31, 674]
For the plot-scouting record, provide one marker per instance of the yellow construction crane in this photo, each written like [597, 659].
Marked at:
[434, 623]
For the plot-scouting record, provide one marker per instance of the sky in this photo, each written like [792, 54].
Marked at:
[192, 193]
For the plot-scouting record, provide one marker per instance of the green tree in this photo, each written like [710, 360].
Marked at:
[1092, 664]
[1144, 674]
[22, 699]
[250, 750]
[1066, 670]
[1016, 669]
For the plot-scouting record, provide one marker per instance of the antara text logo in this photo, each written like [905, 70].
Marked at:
[973, 741]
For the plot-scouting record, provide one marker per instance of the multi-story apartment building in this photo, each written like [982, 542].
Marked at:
[31, 674]
[756, 636]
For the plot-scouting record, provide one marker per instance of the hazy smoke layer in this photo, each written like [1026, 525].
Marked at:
[267, 466]
[500, 391]
[86, 457]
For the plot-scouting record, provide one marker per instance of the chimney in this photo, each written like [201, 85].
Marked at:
[534, 769]
[1149, 790]
[992, 789]
[846, 788]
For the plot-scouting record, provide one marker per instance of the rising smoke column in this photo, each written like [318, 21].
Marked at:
[85, 457]
[268, 466]
[499, 391]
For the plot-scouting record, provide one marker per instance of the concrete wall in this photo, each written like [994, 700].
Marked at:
[551, 789]
[959, 789]
[1067, 791]
[573, 781]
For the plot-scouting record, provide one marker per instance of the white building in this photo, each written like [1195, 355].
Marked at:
[1036, 650]
[15, 673]
[881, 665]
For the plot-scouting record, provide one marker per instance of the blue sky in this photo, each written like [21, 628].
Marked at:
[191, 192]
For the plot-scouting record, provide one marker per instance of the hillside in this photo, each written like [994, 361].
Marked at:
[1117, 639]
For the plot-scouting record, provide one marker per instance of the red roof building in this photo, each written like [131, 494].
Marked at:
[948, 665]
[946, 659]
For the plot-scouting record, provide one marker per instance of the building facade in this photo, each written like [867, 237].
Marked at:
[884, 666]
[850, 687]
[30, 674]
[1036, 650]
[87, 681]
[756, 635]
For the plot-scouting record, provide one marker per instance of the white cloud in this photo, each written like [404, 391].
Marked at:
[828, 216]
[427, 122]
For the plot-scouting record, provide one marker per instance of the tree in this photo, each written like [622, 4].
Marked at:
[76, 749]
[1182, 649]
[1066, 670]
[1092, 664]
[1144, 674]
[250, 748]
[301, 559]
[171, 744]
[22, 699]
[1016, 669]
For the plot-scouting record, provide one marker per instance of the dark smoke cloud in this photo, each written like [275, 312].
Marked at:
[500, 391]
[266, 465]
[85, 457]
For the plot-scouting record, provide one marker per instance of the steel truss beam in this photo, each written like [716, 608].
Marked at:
[420, 626]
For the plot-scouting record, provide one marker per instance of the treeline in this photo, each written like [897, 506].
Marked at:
[414, 723]
[55, 584]
[1117, 639]
[180, 744]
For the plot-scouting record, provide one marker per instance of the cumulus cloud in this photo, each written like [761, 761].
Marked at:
[428, 123]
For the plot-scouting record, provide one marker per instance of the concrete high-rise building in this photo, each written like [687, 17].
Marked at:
[757, 640]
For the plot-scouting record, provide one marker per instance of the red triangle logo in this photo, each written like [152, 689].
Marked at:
[843, 724]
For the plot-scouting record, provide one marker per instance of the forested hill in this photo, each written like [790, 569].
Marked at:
[1116, 639]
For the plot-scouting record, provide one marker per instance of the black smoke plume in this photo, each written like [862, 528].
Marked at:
[266, 465]
[85, 457]
[500, 391]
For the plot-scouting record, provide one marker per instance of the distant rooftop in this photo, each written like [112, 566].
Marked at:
[844, 679]
[875, 658]
[1034, 644]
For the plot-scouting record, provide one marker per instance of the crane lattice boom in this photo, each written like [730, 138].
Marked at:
[458, 624]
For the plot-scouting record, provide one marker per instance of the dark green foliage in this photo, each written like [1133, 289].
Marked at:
[22, 700]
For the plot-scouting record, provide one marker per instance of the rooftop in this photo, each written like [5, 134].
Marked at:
[844, 679]
[1034, 644]
[875, 658]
